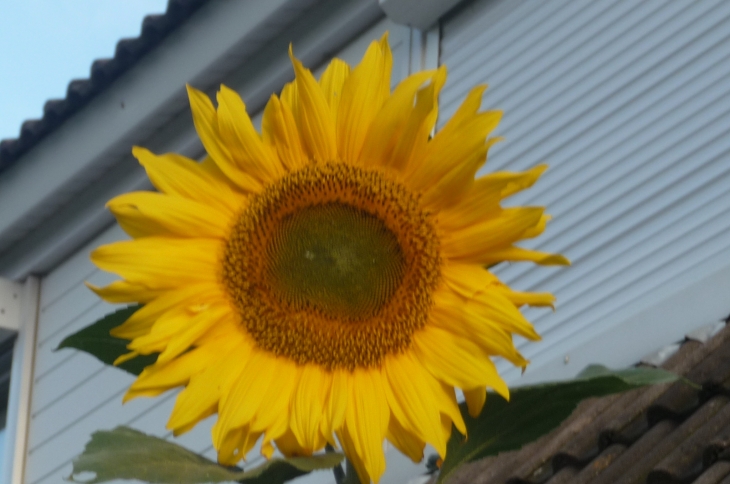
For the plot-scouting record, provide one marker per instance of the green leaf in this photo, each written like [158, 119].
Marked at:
[125, 453]
[536, 410]
[96, 340]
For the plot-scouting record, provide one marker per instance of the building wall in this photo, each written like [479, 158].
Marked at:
[629, 104]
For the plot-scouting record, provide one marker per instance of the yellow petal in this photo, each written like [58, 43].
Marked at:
[336, 403]
[162, 331]
[180, 176]
[405, 441]
[413, 140]
[483, 198]
[456, 361]
[451, 188]
[246, 147]
[140, 322]
[463, 115]
[411, 401]
[142, 214]
[489, 316]
[234, 444]
[388, 124]
[516, 182]
[290, 447]
[125, 357]
[267, 450]
[332, 80]
[474, 243]
[467, 279]
[366, 420]
[280, 132]
[518, 254]
[540, 299]
[245, 397]
[290, 97]
[177, 372]
[451, 148]
[161, 263]
[200, 398]
[197, 326]
[538, 229]
[274, 417]
[448, 406]
[308, 405]
[475, 399]
[353, 455]
[205, 120]
[212, 170]
[364, 92]
[314, 118]
[125, 292]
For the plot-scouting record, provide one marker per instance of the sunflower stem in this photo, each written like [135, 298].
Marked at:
[351, 476]
[337, 470]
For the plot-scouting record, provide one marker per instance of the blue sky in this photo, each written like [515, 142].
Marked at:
[46, 43]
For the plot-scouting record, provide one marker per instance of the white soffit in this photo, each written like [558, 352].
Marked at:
[51, 200]
[420, 14]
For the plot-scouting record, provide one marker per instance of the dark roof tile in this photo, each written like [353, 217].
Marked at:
[564, 476]
[534, 467]
[672, 434]
[632, 456]
[593, 437]
[718, 448]
[103, 72]
[599, 464]
[714, 474]
[685, 462]
[711, 372]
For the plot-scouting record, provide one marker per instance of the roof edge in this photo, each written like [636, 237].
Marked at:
[103, 72]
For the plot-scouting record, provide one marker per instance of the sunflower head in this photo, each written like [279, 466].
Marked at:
[324, 281]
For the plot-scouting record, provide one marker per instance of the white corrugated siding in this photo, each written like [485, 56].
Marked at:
[629, 104]
[75, 395]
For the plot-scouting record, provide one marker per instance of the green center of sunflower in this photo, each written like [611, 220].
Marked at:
[336, 258]
[334, 265]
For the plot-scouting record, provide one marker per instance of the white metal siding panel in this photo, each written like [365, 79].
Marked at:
[75, 395]
[629, 103]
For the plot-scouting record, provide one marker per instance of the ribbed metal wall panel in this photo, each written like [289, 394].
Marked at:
[629, 104]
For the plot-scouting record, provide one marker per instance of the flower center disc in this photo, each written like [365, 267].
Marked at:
[333, 265]
[337, 259]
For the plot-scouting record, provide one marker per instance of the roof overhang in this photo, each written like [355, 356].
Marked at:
[52, 200]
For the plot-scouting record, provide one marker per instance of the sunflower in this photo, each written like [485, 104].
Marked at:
[324, 281]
